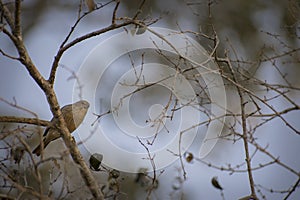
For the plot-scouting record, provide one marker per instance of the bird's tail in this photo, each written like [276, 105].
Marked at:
[38, 149]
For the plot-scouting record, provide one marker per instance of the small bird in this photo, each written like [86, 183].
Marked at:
[73, 115]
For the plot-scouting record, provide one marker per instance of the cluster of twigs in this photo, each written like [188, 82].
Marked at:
[11, 27]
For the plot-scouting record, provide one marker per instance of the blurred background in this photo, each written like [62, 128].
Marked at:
[261, 37]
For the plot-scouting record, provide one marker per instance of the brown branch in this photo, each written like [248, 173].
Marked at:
[292, 189]
[236, 168]
[61, 51]
[9, 34]
[7, 15]
[25, 59]
[288, 53]
[249, 92]
[24, 120]
[245, 133]
[114, 17]
[55, 109]
[139, 10]
[15, 105]
[68, 140]
[22, 188]
[17, 28]
[276, 159]
[77, 22]
[8, 56]
[154, 178]
[47, 87]
[180, 156]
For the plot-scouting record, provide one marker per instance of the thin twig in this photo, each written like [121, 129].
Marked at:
[245, 134]
[114, 16]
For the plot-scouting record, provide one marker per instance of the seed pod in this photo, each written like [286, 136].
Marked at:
[95, 161]
[188, 157]
[215, 183]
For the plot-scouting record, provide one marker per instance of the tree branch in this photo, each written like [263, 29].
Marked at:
[7, 15]
[78, 40]
[17, 28]
[55, 109]
[245, 133]
[23, 120]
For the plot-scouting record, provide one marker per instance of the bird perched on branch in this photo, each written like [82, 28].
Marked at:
[73, 115]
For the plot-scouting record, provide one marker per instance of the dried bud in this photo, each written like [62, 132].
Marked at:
[188, 157]
[114, 173]
[215, 183]
[95, 161]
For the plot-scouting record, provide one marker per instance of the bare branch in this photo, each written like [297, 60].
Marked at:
[139, 10]
[245, 135]
[23, 120]
[114, 16]
[292, 189]
[7, 15]
[17, 28]
[55, 109]
[8, 56]
[61, 51]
